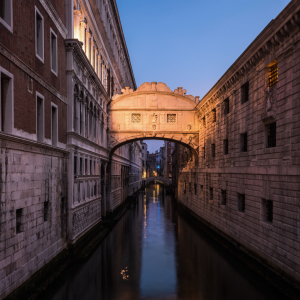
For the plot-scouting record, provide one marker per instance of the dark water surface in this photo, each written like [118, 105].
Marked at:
[153, 253]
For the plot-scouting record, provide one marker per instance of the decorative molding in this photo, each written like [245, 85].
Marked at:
[31, 73]
[55, 18]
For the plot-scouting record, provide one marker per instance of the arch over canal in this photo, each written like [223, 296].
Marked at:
[153, 111]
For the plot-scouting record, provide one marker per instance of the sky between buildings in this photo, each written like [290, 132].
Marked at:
[190, 43]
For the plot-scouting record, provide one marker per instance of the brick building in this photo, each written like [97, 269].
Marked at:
[60, 64]
[246, 184]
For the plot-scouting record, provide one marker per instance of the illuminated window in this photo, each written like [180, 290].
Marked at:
[136, 118]
[171, 118]
[214, 115]
[273, 73]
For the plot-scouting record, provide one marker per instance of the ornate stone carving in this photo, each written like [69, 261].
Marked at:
[154, 118]
[153, 127]
[189, 127]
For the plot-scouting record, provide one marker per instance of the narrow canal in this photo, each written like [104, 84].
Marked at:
[153, 253]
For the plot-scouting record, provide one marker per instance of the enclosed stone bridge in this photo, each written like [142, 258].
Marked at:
[163, 180]
[153, 111]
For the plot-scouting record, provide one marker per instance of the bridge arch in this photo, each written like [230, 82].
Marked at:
[153, 111]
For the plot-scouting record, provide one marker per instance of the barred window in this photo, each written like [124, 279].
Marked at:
[245, 92]
[136, 118]
[267, 210]
[171, 118]
[226, 106]
[214, 115]
[273, 73]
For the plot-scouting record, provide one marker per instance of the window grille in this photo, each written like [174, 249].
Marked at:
[245, 92]
[224, 197]
[213, 115]
[271, 135]
[241, 202]
[267, 210]
[273, 74]
[136, 118]
[171, 118]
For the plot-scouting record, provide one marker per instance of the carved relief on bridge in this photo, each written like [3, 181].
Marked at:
[153, 111]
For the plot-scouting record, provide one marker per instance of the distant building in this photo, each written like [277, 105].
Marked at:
[152, 164]
[144, 159]
[167, 159]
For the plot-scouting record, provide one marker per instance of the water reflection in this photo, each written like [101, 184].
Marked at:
[153, 253]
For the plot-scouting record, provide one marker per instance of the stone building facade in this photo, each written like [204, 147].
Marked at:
[246, 184]
[60, 64]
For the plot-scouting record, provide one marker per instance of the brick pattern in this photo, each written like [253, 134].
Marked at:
[27, 181]
[260, 173]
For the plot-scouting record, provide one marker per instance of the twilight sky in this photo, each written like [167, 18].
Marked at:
[190, 43]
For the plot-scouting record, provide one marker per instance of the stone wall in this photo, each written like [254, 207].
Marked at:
[33, 209]
[247, 181]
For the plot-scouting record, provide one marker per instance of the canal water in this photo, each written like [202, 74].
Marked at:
[154, 253]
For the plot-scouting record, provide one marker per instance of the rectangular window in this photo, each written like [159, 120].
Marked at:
[91, 169]
[54, 125]
[75, 165]
[225, 146]
[136, 118]
[273, 73]
[271, 135]
[203, 152]
[245, 92]
[86, 167]
[203, 122]
[214, 115]
[226, 106]
[19, 220]
[39, 35]
[40, 117]
[80, 166]
[211, 194]
[241, 202]
[224, 197]
[213, 150]
[7, 101]
[6, 14]
[171, 118]
[46, 211]
[202, 191]
[53, 51]
[267, 210]
[195, 188]
[244, 142]
[184, 187]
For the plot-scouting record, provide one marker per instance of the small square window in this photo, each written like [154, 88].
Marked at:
[19, 220]
[224, 197]
[267, 210]
[226, 106]
[241, 202]
[225, 146]
[211, 194]
[213, 150]
[271, 135]
[171, 118]
[244, 142]
[245, 92]
[136, 118]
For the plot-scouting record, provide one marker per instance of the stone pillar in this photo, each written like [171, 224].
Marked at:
[82, 33]
[77, 15]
